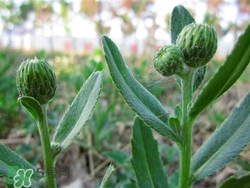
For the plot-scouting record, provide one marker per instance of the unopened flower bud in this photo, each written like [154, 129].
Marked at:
[35, 78]
[168, 60]
[198, 43]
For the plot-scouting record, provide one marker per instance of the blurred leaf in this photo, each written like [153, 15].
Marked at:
[138, 98]
[243, 164]
[107, 176]
[78, 113]
[117, 157]
[145, 157]
[233, 182]
[7, 62]
[174, 179]
[179, 19]
[224, 144]
[169, 154]
[226, 75]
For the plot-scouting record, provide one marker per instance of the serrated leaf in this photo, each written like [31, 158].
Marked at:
[180, 18]
[139, 99]
[224, 144]
[10, 163]
[226, 75]
[145, 157]
[78, 113]
[234, 181]
[107, 176]
[32, 106]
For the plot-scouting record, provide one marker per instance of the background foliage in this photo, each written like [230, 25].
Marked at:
[106, 137]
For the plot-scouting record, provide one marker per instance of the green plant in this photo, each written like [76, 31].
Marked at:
[224, 144]
[36, 83]
[8, 108]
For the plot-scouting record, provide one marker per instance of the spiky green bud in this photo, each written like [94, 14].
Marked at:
[168, 60]
[198, 43]
[35, 78]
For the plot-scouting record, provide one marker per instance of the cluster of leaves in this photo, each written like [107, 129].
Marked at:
[101, 124]
[146, 162]
[224, 144]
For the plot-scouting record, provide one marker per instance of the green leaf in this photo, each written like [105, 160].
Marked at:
[32, 106]
[10, 163]
[139, 99]
[226, 75]
[174, 179]
[233, 181]
[178, 111]
[145, 157]
[224, 144]
[175, 124]
[117, 157]
[107, 176]
[180, 18]
[78, 113]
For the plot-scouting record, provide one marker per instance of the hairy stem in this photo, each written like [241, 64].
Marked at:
[186, 135]
[47, 153]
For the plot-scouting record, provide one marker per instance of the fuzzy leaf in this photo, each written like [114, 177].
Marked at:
[180, 18]
[32, 106]
[224, 144]
[139, 99]
[234, 181]
[226, 75]
[107, 176]
[145, 157]
[78, 113]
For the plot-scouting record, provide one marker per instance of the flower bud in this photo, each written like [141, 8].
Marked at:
[168, 60]
[198, 43]
[35, 78]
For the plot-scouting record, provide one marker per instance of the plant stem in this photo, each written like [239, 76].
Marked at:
[186, 139]
[47, 153]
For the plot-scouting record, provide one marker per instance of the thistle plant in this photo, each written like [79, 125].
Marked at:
[193, 46]
[36, 83]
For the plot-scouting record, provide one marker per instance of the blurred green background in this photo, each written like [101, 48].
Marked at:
[66, 34]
